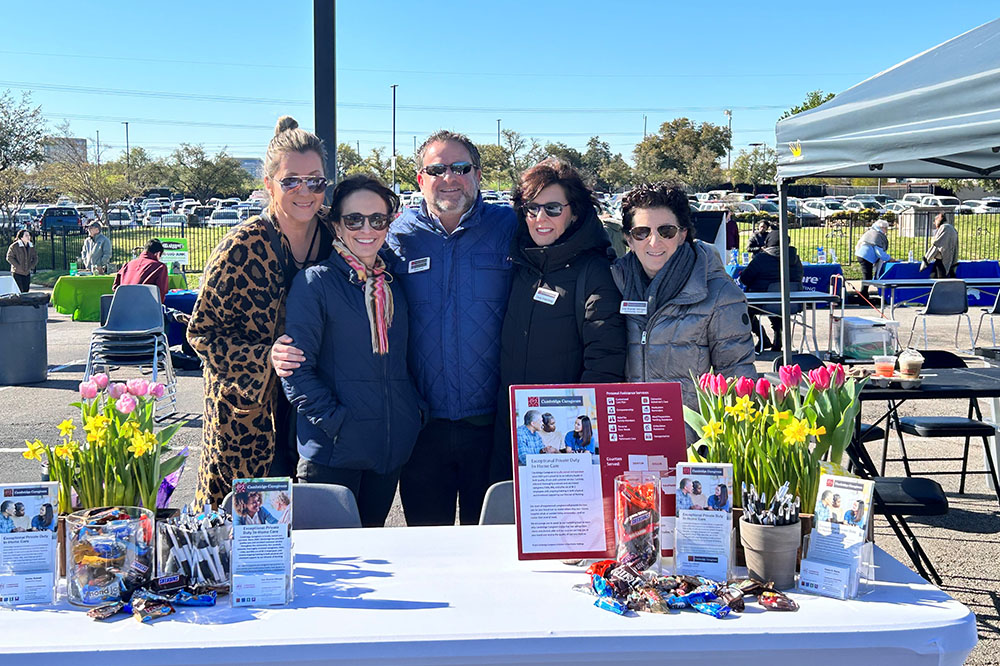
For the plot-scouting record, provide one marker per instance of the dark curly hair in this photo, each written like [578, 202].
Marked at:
[553, 171]
[658, 195]
[349, 186]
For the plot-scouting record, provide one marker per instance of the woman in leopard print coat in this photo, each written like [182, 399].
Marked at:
[238, 321]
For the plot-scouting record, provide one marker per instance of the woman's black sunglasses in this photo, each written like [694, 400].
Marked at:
[315, 184]
[354, 221]
[552, 209]
[665, 231]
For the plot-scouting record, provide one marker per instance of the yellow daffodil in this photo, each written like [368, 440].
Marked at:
[66, 428]
[796, 431]
[142, 443]
[744, 404]
[34, 451]
[816, 432]
[128, 429]
[781, 416]
[65, 451]
[712, 429]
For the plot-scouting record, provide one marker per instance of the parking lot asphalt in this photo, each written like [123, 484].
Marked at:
[964, 545]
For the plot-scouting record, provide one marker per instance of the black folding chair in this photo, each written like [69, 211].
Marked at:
[968, 427]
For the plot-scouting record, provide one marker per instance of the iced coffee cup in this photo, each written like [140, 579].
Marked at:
[910, 363]
[885, 366]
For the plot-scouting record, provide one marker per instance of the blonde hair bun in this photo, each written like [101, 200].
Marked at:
[285, 123]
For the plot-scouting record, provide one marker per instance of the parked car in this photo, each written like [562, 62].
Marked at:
[202, 213]
[931, 200]
[763, 206]
[805, 218]
[173, 220]
[986, 206]
[913, 198]
[224, 217]
[898, 207]
[59, 217]
[120, 217]
[248, 212]
[857, 205]
[152, 218]
[822, 208]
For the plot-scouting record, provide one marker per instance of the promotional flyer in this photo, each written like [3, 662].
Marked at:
[568, 444]
[28, 520]
[704, 506]
[262, 542]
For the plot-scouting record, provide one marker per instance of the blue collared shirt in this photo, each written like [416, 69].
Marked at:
[528, 442]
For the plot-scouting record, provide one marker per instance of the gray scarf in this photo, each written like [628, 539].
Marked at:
[664, 286]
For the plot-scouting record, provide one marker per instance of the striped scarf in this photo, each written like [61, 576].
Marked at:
[378, 296]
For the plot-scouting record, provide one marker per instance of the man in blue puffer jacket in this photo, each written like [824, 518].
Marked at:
[455, 270]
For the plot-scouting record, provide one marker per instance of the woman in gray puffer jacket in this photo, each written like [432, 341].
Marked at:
[684, 313]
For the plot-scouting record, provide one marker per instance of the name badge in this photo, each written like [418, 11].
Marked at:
[420, 265]
[546, 296]
[633, 307]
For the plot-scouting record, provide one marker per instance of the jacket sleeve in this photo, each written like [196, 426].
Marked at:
[729, 342]
[162, 282]
[103, 252]
[11, 259]
[304, 321]
[603, 327]
[217, 330]
[32, 258]
[118, 277]
[749, 274]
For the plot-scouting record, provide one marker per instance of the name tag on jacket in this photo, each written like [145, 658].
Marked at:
[546, 296]
[633, 307]
[420, 265]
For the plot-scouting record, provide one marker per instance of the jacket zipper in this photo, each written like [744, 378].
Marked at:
[388, 407]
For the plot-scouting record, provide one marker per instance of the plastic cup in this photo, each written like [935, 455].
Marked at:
[885, 366]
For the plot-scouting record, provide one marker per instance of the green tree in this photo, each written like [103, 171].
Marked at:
[194, 172]
[17, 187]
[519, 154]
[379, 164]
[681, 151]
[569, 155]
[494, 166]
[143, 171]
[757, 167]
[813, 99]
[347, 159]
[616, 174]
[21, 131]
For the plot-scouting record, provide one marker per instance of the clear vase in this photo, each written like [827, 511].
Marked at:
[637, 520]
[108, 550]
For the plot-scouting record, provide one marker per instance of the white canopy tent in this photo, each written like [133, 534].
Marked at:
[936, 115]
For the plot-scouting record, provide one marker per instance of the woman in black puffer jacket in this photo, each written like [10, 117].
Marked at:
[562, 324]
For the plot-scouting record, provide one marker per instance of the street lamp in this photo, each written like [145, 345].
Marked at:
[128, 167]
[498, 146]
[729, 157]
[394, 137]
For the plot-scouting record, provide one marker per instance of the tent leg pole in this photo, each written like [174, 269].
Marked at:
[786, 308]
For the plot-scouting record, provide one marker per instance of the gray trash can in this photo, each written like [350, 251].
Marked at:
[24, 353]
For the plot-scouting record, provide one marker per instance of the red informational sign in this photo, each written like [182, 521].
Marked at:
[569, 442]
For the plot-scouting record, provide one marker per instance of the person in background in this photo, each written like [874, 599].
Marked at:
[95, 256]
[551, 438]
[22, 257]
[872, 250]
[238, 320]
[146, 269]
[732, 233]
[358, 412]
[529, 441]
[562, 324]
[455, 271]
[758, 240]
[581, 438]
[942, 255]
[696, 318]
[763, 272]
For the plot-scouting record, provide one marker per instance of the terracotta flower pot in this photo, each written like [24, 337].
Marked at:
[772, 552]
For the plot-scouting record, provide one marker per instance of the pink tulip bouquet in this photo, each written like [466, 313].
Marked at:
[120, 460]
[775, 432]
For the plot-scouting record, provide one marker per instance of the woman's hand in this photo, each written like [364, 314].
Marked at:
[284, 357]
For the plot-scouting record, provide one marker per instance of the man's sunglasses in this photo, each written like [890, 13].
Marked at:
[665, 231]
[354, 221]
[459, 168]
[552, 209]
[315, 184]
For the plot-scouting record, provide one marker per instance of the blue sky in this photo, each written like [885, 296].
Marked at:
[220, 73]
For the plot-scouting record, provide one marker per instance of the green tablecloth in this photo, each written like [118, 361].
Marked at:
[80, 295]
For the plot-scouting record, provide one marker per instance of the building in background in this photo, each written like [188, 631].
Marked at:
[253, 166]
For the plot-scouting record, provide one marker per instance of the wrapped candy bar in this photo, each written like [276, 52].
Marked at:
[612, 604]
[601, 586]
[189, 598]
[147, 610]
[713, 608]
[776, 601]
[106, 612]
[602, 567]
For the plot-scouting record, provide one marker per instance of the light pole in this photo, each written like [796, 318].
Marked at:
[643, 126]
[393, 86]
[128, 164]
[498, 147]
[729, 156]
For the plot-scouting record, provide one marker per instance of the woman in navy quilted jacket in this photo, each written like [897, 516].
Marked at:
[358, 410]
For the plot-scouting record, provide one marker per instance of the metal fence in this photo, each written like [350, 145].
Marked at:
[57, 249]
[978, 238]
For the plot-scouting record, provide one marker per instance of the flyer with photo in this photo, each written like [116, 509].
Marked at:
[28, 521]
[568, 444]
[704, 523]
[837, 540]
[262, 542]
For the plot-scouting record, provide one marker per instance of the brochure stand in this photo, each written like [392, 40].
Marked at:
[28, 543]
[838, 559]
[261, 567]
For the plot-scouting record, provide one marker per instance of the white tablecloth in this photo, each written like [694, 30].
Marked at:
[458, 595]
